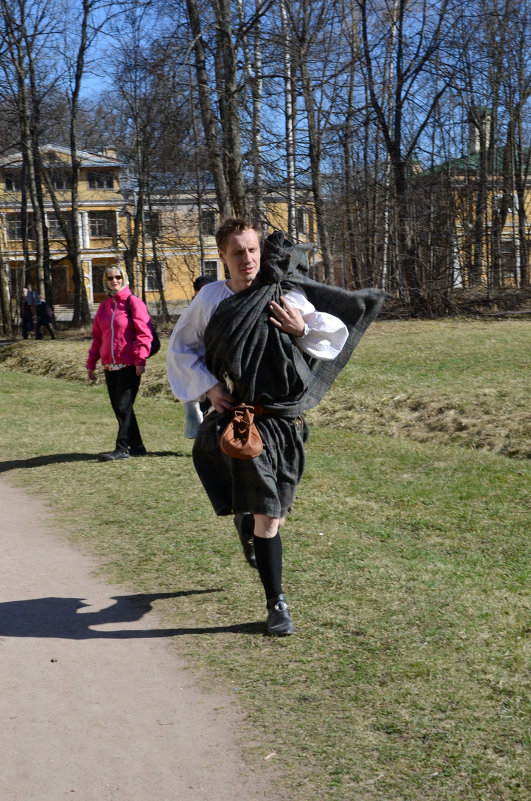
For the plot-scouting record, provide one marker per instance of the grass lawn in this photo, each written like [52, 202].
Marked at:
[406, 557]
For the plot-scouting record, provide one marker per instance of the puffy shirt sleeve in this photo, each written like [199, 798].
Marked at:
[325, 334]
[185, 358]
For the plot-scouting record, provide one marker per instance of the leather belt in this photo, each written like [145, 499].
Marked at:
[274, 412]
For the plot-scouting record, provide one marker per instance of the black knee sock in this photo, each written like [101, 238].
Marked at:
[269, 561]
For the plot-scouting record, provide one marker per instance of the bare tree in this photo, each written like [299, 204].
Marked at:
[252, 71]
[218, 45]
[25, 24]
[359, 102]
[210, 124]
[495, 92]
[85, 38]
[290, 117]
[414, 43]
[313, 29]
[152, 122]
[5, 309]
[509, 34]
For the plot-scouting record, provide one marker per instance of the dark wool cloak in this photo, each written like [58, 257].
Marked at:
[262, 364]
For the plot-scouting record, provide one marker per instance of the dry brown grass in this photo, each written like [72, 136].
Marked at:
[456, 381]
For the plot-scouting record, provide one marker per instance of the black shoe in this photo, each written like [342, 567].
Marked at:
[245, 528]
[113, 456]
[279, 622]
[137, 450]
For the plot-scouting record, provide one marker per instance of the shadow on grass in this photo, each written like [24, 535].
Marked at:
[65, 618]
[58, 458]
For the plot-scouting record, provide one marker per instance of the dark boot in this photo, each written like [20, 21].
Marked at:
[137, 450]
[245, 527]
[279, 622]
[113, 456]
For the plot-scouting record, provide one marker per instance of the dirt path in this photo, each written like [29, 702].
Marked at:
[93, 704]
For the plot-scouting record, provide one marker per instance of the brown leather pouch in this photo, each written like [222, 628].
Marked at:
[240, 438]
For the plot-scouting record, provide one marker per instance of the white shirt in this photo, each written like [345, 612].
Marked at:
[189, 378]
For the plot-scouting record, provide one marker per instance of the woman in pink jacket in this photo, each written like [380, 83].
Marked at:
[121, 338]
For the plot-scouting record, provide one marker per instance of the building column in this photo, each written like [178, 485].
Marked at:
[87, 274]
[84, 230]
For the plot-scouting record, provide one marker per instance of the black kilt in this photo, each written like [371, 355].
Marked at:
[263, 485]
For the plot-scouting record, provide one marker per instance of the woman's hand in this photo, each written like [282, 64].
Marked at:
[287, 318]
[91, 375]
[140, 369]
[220, 399]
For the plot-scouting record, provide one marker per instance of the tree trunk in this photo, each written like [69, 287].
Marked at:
[289, 113]
[521, 178]
[230, 112]
[351, 277]
[81, 315]
[38, 215]
[20, 48]
[253, 72]
[43, 247]
[407, 246]
[478, 256]
[7, 324]
[207, 116]
[314, 137]
[157, 263]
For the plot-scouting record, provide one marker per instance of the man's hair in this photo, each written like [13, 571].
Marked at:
[235, 225]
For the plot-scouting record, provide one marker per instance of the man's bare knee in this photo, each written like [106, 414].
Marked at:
[267, 527]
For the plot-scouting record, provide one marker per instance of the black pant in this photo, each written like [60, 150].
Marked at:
[40, 325]
[122, 386]
[27, 325]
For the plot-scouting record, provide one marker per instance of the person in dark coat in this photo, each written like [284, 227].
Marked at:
[44, 317]
[26, 312]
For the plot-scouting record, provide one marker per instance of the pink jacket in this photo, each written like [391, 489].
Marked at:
[114, 339]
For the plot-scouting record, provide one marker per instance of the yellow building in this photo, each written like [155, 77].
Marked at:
[176, 241]
[486, 195]
[98, 220]
[180, 241]
[491, 229]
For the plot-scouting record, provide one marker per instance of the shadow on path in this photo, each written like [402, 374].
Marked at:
[57, 458]
[63, 618]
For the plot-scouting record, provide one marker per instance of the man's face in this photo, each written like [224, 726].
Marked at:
[241, 254]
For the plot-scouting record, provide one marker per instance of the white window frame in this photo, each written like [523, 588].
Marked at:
[211, 268]
[150, 277]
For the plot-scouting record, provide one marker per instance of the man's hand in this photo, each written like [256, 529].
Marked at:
[220, 399]
[287, 318]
